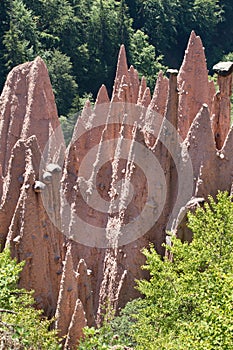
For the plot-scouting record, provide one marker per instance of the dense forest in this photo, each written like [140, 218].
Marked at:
[79, 39]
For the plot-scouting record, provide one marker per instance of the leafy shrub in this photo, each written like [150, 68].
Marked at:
[101, 338]
[122, 324]
[21, 326]
[115, 333]
[187, 302]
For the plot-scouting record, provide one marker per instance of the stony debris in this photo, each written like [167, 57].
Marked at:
[39, 186]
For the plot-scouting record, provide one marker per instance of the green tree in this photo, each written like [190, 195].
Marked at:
[20, 323]
[168, 24]
[160, 23]
[143, 57]
[4, 27]
[102, 338]
[21, 40]
[188, 301]
[136, 12]
[90, 32]
[109, 27]
[64, 26]
[55, 18]
[224, 37]
[63, 82]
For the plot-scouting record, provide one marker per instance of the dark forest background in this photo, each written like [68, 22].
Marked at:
[80, 39]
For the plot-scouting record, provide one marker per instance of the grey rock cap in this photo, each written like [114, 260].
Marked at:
[223, 68]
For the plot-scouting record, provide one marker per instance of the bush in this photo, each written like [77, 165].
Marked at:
[101, 338]
[187, 302]
[21, 326]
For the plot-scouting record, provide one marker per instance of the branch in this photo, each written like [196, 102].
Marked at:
[7, 325]
[8, 311]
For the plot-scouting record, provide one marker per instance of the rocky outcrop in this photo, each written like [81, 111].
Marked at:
[75, 330]
[167, 140]
[202, 150]
[221, 118]
[68, 295]
[102, 96]
[30, 234]
[80, 217]
[194, 87]
[70, 315]
[159, 98]
[27, 107]
[14, 181]
[87, 181]
[85, 292]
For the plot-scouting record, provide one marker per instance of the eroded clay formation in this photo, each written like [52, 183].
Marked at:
[74, 215]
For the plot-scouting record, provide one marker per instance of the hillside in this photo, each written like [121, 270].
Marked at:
[79, 216]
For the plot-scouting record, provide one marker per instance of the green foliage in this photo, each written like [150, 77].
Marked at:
[79, 41]
[98, 339]
[122, 324]
[228, 57]
[188, 302]
[114, 331]
[58, 26]
[225, 28]
[19, 321]
[169, 23]
[9, 275]
[4, 27]
[143, 57]
[81, 38]
[109, 27]
[64, 85]
[101, 338]
[21, 40]
[68, 123]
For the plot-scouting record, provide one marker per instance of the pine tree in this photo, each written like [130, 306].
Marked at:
[4, 27]
[21, 39]
[63, 82]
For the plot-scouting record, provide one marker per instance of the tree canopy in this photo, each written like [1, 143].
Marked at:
[85, 36]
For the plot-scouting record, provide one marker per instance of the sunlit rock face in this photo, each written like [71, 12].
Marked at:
[137, 162]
